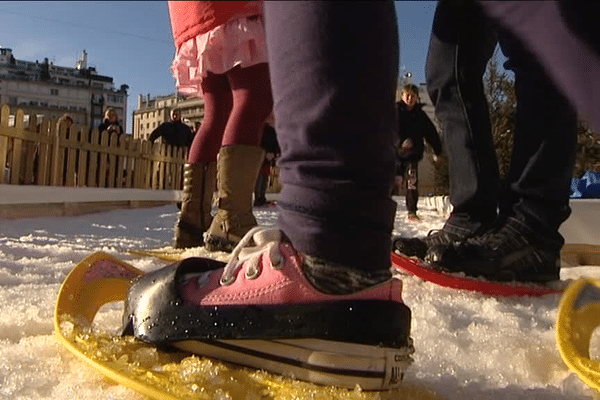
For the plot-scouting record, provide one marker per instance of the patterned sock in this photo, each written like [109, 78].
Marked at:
[332, 278]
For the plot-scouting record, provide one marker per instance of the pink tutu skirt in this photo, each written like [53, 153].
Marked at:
[237, 42]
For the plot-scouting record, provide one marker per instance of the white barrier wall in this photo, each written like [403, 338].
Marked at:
[583, 226]
[22, 201]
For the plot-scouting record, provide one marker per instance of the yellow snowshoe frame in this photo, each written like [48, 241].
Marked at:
[578, 317]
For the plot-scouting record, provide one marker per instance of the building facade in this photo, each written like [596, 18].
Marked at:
[153, 111]
[50, 90]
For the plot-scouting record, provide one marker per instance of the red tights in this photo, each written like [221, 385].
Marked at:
[236, 105]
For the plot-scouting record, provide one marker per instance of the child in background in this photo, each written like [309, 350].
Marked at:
[414, 126]
[222, 57]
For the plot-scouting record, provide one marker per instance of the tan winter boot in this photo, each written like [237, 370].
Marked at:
[237, 169]
[198, 188]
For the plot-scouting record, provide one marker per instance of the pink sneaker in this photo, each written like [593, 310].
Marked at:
[259, 310]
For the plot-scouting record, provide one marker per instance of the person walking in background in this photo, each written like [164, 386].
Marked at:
[271, 147]
[414, 126]
[318, 286]
[174, 132]
[221, 56]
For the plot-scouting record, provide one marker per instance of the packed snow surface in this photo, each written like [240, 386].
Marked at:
[468, 345]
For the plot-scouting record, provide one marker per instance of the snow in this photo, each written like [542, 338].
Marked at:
[467, 344]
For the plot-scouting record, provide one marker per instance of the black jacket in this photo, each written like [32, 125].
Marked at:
[414, 125]
[173, 133]
[106, 124]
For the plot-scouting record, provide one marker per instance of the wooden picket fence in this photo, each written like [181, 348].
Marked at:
[44, 152]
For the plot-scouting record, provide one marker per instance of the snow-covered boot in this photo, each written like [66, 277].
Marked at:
[198, 188]
[237, 170]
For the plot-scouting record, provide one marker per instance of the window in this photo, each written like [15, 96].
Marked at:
[114, 99]
[54, 92]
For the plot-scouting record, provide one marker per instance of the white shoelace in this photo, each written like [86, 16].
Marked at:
[262, 238]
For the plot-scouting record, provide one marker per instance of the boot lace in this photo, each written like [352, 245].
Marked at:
[440, 236]
[259, 241]
[503, 239]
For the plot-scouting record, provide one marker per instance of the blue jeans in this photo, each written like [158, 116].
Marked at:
[563, 35]
[537, 188]
[460, 46]
[333, 70]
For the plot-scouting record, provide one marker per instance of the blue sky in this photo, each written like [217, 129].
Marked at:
[131, 40]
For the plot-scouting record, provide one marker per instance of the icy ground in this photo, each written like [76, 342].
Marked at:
[467, 345]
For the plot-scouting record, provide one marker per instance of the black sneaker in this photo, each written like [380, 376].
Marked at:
[418, 247]
[511, 252]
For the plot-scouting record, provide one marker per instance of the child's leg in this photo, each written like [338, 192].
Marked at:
[412, 186]
[218, 103]
[200, 172]
[336, 127]
[252, 104]
[240, 156]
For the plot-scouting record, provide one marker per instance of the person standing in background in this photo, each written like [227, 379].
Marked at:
[111, 122]
[174, 132]
[511, 231]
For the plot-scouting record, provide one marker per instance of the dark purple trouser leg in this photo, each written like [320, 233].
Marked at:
[333, 72]
[564, 37]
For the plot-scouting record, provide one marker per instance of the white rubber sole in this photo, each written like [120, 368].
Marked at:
[318, 361]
